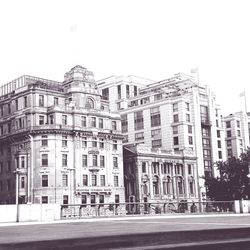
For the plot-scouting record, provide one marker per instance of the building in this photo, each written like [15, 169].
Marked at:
[159, 175]
[118, 89]
[60, 140]
[237, 129]
[175, 115]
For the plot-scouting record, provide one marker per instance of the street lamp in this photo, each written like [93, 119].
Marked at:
[17, 171]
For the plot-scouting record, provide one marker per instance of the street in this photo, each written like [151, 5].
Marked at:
[127, 232]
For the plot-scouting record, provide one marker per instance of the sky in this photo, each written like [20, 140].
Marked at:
[149, 38]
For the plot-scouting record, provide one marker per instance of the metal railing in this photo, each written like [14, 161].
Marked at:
[137, 208]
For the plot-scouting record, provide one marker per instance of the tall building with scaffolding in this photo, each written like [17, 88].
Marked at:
[59, 142]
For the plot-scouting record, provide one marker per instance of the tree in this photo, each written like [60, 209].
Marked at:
[233, 181]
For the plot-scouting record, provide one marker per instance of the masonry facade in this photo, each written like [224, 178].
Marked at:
[60, 140]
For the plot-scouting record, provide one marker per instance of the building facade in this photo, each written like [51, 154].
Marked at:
[237, 128]
[159, 175]
[177, 114]
[60, 141]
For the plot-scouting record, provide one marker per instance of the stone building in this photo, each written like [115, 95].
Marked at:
[176, 115]
[60, 140]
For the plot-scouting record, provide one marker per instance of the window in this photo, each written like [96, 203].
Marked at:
[180, 186]
[238, 132]
[191, 187]
[41, 119]
[94, 180]
[217, 123]
[219, 144]
[64, 119]
[22, 182]
[241, 142]
[94, 142]
[101, 199]
[1, 110]
[44, 160]
[218, 133]
[113, 125]
[156, 185]
[144, 170]
[116, 183]
[229, 152]
[94, 157]
[56, 101]
[1, 167]
[139, 136]
[138, 120]
[204, 114]
[205, 132]
[65, 199]
[206, 152]
[102, 161]
[45, 181]
[190, 169]
[92, 200]
[115, 162]
[89, 103]
[190, 140]
[220, 154]
[100, 122]
[41, 101]
[127, 91]
[22, 162]
[155, 116]
[64, 160]
[102, 180]
[188, 117]
[64, 180]
[114, 145]
[228, 124]
[166, 186]
[84, 160]
[85, 180]
[93, 122]
[44, 199]
[84, 142]
[119, 91]
[229, 143]
[187, 106]
[157, 97]
[175, 130]
[207, 163]
[229, 133]
[156, 143]
[156, 133]
[83, 121]
[101, 143]
[105, 94]
[135, 90]
[9, 108]
[84, 199]
[44, 140]
[190, 130]
[175, 107]
[16, 103]
[64, 141]
[176, 140]
[176, 118]
[51, 119]
[124, 120]
[238, 124]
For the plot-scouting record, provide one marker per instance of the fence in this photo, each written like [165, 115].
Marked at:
[136, 208]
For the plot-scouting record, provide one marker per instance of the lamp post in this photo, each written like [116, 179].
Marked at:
[17, 171]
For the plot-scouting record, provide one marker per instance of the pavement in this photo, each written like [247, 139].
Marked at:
[149, 232]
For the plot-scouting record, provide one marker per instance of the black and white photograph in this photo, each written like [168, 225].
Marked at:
[125, 124]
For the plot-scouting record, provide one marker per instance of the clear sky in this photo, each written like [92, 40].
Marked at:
[149, 38]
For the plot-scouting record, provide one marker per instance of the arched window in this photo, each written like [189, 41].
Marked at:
[167, 186]
[89, 103]
[156, 190]
[180, 185]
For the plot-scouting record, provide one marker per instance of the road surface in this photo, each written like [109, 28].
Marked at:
[159, 232]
